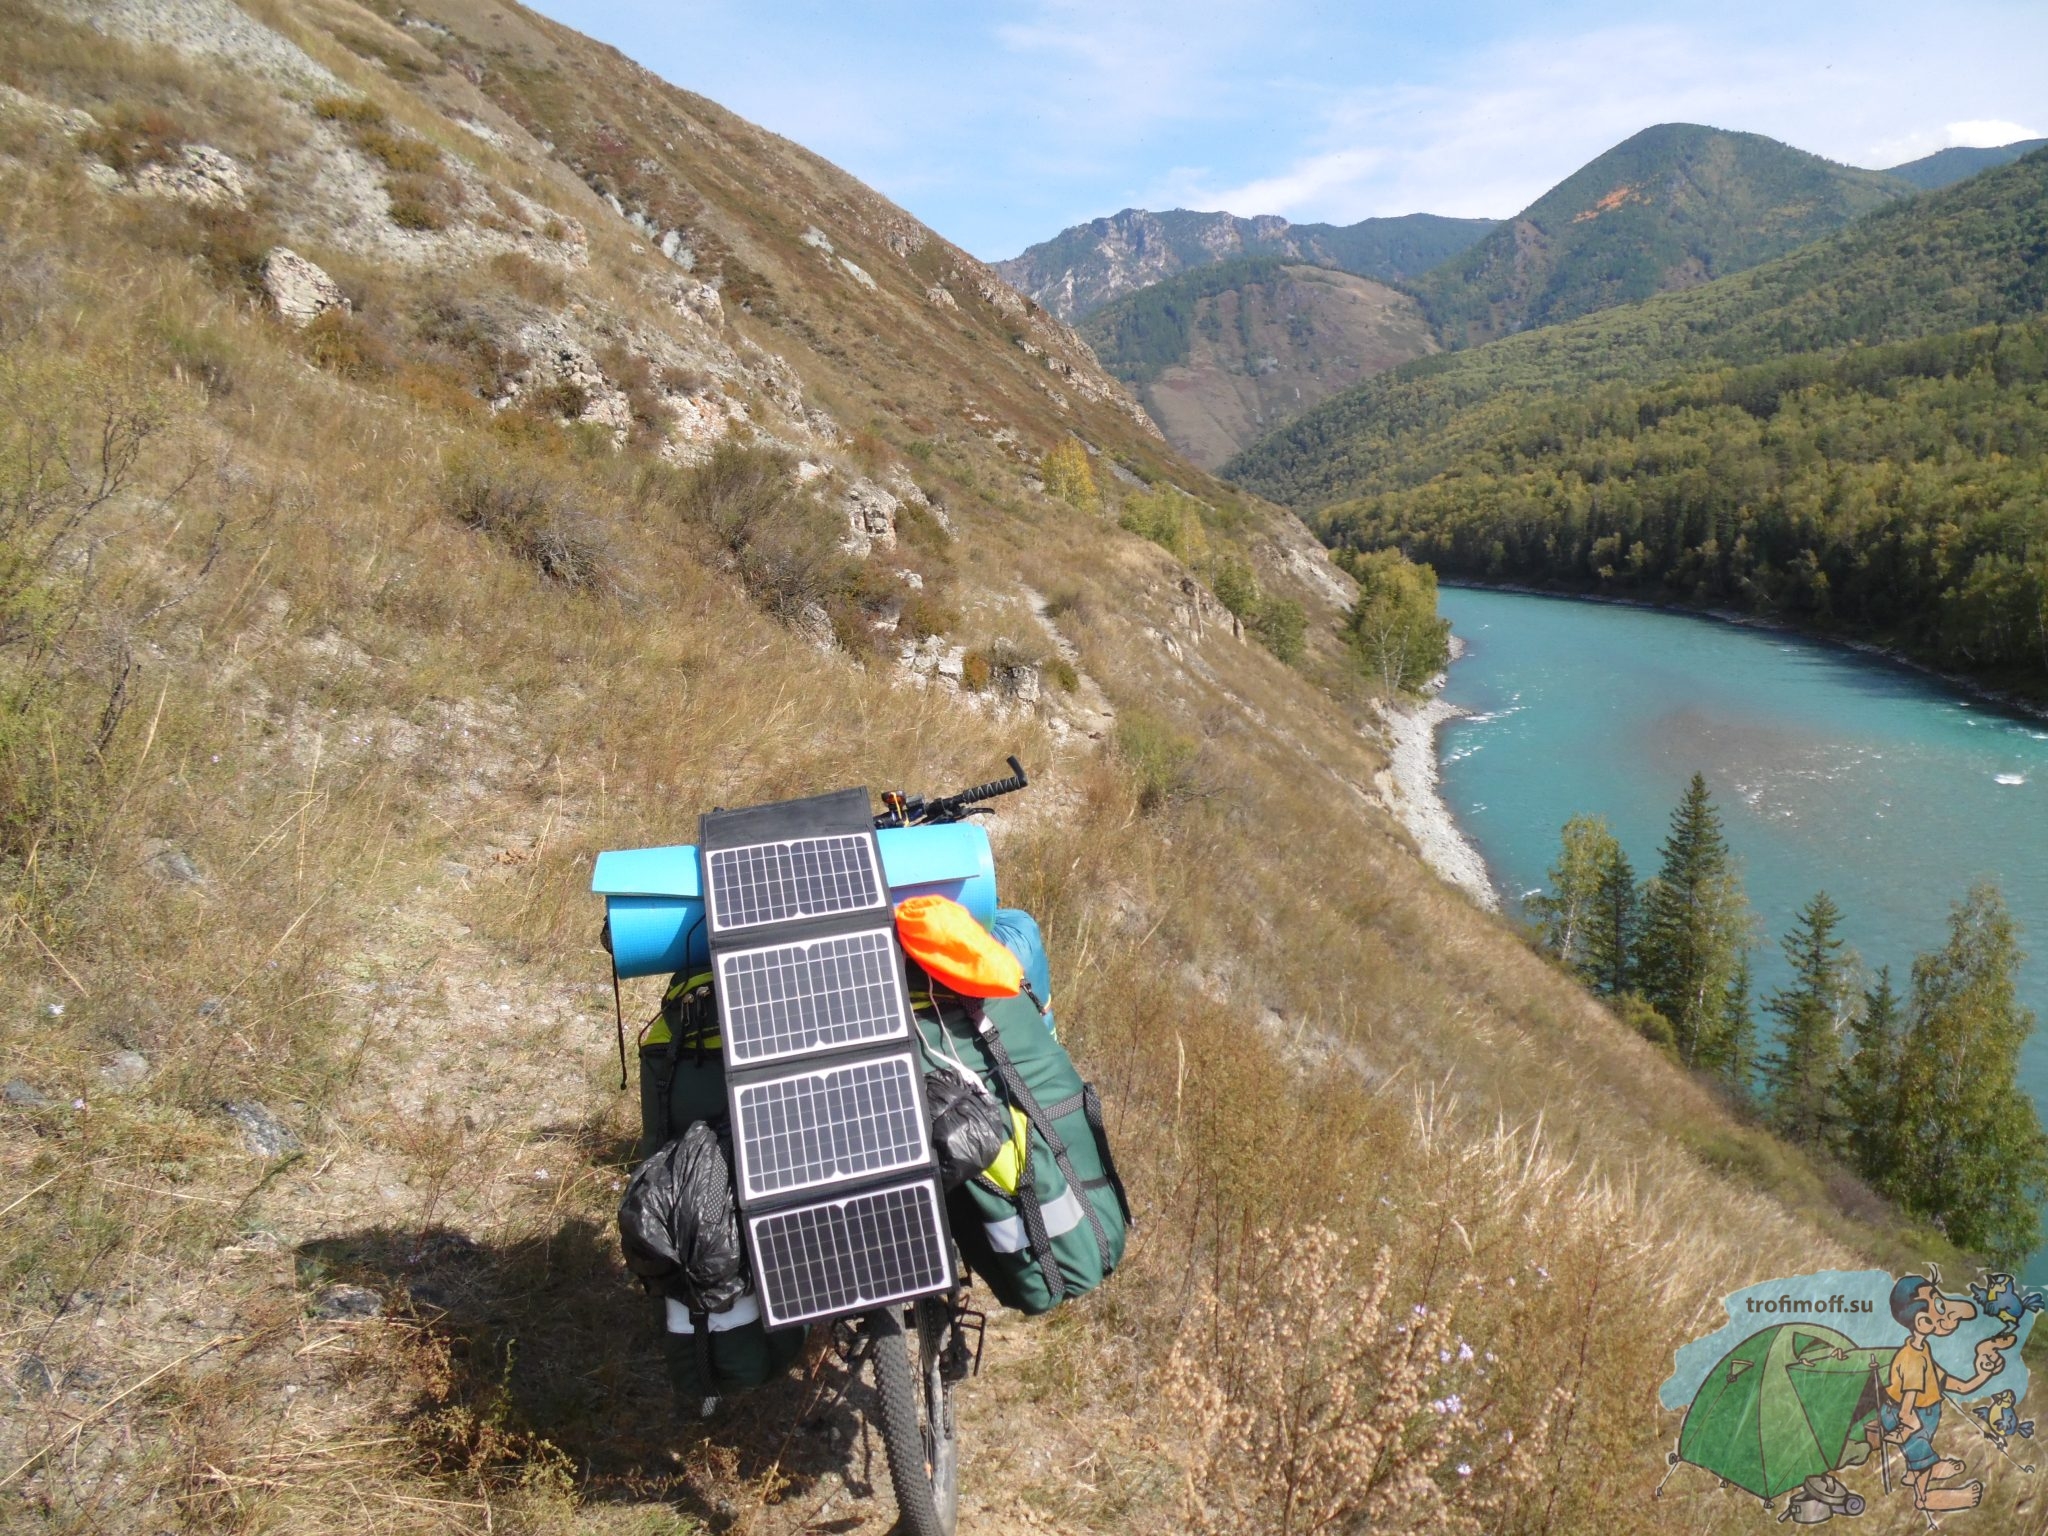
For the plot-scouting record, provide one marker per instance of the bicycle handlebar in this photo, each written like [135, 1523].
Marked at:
[907, 810]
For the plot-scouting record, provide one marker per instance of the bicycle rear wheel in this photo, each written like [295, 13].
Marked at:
[918, 1428]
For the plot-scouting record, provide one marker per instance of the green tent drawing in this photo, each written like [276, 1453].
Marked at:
[1786, 1404]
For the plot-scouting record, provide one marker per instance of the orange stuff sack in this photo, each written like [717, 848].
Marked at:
[955, 950]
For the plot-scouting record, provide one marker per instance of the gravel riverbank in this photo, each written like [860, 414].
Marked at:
[1411, 789]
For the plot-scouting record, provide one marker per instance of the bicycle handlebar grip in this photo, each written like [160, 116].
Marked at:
[993, 787]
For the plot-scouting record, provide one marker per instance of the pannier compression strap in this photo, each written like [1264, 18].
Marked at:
[1019, 1090]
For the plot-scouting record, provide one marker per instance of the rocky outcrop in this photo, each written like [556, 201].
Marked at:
[1196, 610]
[300, 291]
[200, 174]
[870, 517]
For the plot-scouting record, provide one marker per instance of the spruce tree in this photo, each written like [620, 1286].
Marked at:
[1611, 931]
[1869, 1091]
[1566, 910]
[1970, 1151]
[1736, 1060]
[1802, 1073]
[1695, 929]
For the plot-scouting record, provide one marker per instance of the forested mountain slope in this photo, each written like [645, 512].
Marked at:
[432, 451]
[1221, 355]
[1087, 266]
[1945, 167]
[1790, 458]
[1669, 208]
[1896, 492]
[1969, 255]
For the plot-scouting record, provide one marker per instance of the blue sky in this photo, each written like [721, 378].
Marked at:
[999, 124]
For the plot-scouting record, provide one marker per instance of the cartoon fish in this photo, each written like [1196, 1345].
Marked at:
[2001, 1419]
[2000, 1296]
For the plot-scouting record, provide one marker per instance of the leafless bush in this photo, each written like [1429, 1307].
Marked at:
[1315, 1406]
[531, 516]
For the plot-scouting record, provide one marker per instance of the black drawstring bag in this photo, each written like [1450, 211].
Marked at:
[968, 1126]
[678, 1225]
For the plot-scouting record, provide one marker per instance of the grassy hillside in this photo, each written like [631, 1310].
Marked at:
[1945, 167]
[653, 463]
[1220, 355]
[1089, 265]
[1972, 254]
[1672, 207]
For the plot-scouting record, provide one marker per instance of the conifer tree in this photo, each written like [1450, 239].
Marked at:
[1695, 929]
[1970, 1151]
[1611, 931]
[1803, 1072]
[1566, 910]
[1735, 1061]
[1869, 1091]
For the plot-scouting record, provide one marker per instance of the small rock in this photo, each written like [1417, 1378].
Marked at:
[34, 1377]
[940, 297]
[23, 1095]
[169, 862]
[124, 1070]
[348, 1301]
[858, 274]
[262, 1132]
[815, 625]
[300, 291]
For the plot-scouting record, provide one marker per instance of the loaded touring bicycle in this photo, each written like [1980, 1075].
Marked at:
[852, 1096]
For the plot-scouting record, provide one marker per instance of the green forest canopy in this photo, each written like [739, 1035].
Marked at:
[1897, 491]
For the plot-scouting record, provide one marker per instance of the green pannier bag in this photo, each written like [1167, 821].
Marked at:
[1045, 1222]
[682, 1080]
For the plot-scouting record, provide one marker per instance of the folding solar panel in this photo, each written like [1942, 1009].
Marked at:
[786, 881]
[824, 1080]
[783, 1000]
[825, 1125]
[837, 1256]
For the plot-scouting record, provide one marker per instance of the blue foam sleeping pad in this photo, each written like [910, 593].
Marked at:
[1018, 931]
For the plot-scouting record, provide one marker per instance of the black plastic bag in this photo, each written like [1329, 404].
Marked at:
[968, 1126]
[678, 1224]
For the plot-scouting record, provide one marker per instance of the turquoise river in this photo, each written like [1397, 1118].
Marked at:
[1834, 771]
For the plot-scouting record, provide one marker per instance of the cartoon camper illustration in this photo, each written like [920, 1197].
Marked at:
[1877, 1387]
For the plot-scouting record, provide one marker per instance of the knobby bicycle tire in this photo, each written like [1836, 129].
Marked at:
[919, 1434]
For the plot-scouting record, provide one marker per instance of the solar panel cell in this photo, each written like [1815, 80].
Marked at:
[787, 999]
[846, 1255]
[782, 882]
[824, 1126]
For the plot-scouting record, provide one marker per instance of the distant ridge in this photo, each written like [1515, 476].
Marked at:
[1947, 166]
[1220, 355]
[1672, 207]
[1088, 265]
[1969, 255]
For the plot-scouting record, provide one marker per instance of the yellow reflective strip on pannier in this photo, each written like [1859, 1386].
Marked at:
[1007, 1171]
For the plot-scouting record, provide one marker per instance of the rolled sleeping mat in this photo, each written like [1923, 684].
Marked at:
[1017, 930]
[654, 897]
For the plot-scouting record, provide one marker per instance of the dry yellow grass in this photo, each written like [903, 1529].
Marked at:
[331, 858]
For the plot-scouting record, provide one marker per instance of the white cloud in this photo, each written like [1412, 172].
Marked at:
[1989, 133]
[1505, 123]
